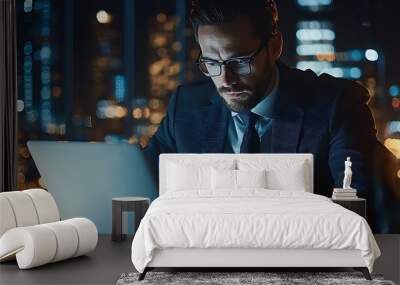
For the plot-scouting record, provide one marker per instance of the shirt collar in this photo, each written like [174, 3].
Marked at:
[263, 107]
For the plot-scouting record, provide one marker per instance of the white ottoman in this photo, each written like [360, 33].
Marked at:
[31, 230]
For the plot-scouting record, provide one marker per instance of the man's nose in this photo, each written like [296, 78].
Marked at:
[228, 78]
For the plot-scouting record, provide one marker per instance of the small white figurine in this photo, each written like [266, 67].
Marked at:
[347, 174]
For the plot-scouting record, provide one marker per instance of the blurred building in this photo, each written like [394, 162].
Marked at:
[326, 46]
[98, 70]
[40, 101]
[345, 39]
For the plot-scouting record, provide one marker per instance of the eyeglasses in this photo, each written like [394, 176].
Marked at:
[238, 65]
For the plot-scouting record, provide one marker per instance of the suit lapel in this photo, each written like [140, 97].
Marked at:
[287, 116]
[215, 126]
[286, 133]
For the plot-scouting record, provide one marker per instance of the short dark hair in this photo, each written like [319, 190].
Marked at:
[263, 14]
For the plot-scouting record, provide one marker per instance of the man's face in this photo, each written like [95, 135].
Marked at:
[230, 40]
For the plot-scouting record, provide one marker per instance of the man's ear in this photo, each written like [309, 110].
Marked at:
[275, 46]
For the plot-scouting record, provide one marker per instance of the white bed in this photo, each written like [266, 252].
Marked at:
[203, 220]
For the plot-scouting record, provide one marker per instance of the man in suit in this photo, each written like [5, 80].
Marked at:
[252, 102]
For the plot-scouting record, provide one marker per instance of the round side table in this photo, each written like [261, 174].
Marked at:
[137, 205]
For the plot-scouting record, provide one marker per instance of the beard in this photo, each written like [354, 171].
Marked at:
[243, 100]
[246, 97]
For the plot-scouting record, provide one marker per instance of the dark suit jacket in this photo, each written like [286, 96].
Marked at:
[322, 115]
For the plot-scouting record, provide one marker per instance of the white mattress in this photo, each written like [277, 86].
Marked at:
[252, 218]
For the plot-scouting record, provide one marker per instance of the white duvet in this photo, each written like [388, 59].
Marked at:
[252, 218]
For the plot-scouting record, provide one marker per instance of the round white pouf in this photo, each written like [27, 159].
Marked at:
[7, 216]
[46, 207]
[27, 208]
[23, 208]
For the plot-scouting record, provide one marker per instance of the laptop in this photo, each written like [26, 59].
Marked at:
[83, 177]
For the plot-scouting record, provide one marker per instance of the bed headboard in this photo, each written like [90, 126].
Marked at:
[211, 158]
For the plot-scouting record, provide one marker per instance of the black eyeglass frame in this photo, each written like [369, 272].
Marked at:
[245, 59]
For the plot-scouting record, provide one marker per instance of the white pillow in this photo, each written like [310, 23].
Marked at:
[281, 175]
[251, 178]
[183, 178]
[223, 179]
[292, 179]
[186, 175]
[237, 179]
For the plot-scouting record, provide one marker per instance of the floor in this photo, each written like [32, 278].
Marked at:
[103, 266]
[389, 263]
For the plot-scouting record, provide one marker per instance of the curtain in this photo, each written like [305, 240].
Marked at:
[8, 96]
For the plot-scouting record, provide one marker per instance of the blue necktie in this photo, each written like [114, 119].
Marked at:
[251, 140]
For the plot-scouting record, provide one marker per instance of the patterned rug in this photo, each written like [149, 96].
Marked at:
[243, 278]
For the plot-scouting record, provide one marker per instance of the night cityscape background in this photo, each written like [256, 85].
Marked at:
[103, 70]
